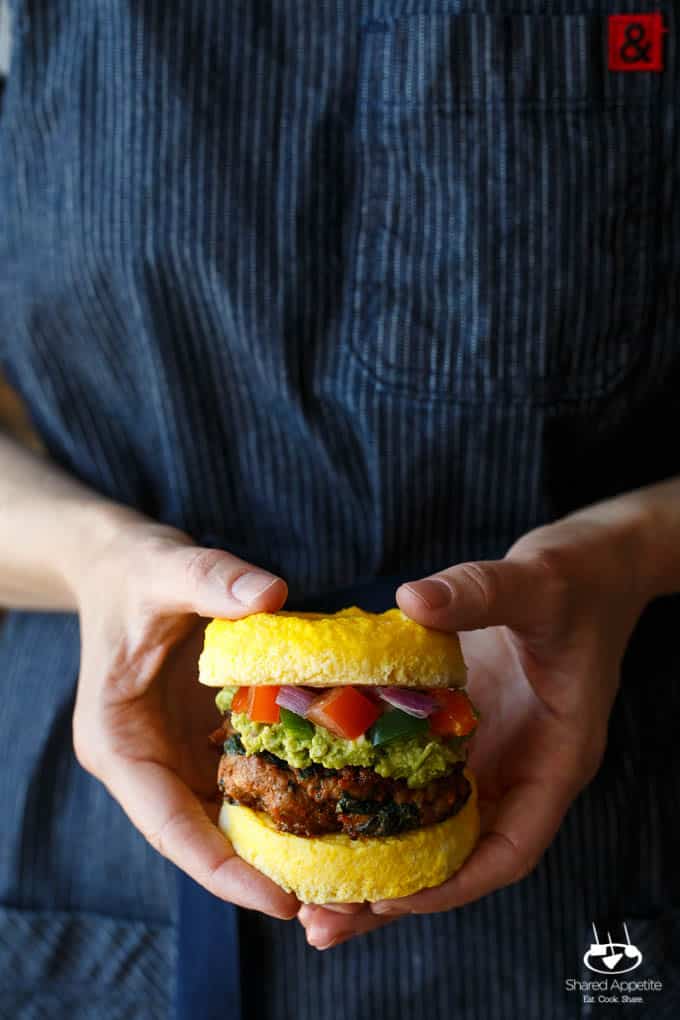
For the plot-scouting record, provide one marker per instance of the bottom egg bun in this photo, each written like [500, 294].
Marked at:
[337, 869]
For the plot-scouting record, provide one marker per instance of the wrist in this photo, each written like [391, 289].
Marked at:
[636, 530]
[94, 526]
[114, 542]
[653, 513]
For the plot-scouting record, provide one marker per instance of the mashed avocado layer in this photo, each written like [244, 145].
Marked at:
[419, 759]
[225, 698]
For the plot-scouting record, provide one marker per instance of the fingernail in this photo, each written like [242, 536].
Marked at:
[308, 910]
[344, 908]
[342, 937]
[434, 593]
[248, 587]
[384, 908]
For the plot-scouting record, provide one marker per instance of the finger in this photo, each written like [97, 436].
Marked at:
[526, 823]
[469, 596]
[336, 908]
[211, 582]
[325, 929]
[175, 823]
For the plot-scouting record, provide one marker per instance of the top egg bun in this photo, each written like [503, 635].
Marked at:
[330, 650]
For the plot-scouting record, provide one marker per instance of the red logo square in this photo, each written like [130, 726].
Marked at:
[636, 42]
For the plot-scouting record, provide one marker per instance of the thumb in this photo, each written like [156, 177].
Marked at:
[211, 582]
[470, 596]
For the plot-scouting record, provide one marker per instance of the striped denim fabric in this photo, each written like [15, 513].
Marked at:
[348, 288]
[476, 134]
[82, 966]
[244, 249]
[86, 906]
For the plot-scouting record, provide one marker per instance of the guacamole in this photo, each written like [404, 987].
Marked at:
[419, 759]
[225, 698]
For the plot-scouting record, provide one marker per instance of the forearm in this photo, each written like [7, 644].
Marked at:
[49, 526]
[651, 518]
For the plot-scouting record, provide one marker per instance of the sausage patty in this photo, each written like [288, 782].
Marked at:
[354, 800]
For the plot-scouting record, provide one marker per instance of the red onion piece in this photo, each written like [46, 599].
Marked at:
[295, 699]
[412, 702]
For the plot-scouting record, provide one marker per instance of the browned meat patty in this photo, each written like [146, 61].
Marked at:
[313, 801]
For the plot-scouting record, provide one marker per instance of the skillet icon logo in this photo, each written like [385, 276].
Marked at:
[612, 957]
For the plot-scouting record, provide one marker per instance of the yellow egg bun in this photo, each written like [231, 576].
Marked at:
[329, 650]
[337, 869]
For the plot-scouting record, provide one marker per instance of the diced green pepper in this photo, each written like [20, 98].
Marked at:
[296, 724]
[393, 724]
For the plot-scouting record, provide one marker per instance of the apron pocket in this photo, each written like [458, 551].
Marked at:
[506, 217]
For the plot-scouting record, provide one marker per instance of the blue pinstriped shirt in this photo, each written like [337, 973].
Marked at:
[351, 288]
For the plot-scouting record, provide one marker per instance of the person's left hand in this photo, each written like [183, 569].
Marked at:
[558, 611]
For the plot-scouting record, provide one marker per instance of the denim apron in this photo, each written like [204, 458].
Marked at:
[355, 289]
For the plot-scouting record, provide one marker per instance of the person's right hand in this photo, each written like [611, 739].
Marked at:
[142, 720]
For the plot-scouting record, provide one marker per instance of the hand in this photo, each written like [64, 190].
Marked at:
[558, 612]
[142, 721]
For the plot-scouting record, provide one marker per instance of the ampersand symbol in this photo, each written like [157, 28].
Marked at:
[634, 51]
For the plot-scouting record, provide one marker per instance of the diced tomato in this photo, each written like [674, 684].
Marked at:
[344, 711]
[258, 702]
[239, 702]
[455, 718]
[262, 705]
